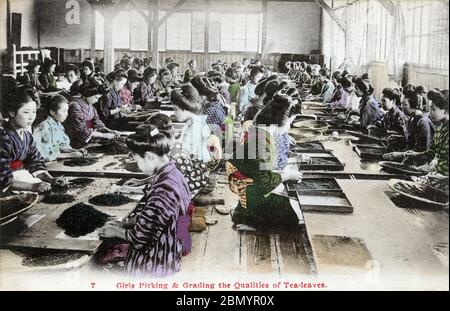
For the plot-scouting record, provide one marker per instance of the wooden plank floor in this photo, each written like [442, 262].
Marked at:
[221, 248]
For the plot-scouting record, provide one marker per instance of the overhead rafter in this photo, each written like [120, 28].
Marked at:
[388, 5]
[140, 10]
[170, 13]
[329, 10]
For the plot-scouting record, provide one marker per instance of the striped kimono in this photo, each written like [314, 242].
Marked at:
[81, 122]
[155, 249]
[17, 153]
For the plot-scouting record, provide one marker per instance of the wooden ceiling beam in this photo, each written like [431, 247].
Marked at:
[329, 10]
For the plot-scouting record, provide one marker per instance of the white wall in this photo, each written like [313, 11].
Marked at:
[54, 30]
[293, 27]
[29, 21]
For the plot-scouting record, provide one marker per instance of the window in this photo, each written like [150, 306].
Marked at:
[198, 31]
[426, 24]
[121, 30]
[179, 32]
[240, 32]
[214, 32]
[185, 31]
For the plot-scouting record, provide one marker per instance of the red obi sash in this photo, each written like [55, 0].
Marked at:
[16, 165]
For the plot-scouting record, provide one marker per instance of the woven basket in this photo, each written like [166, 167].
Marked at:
[15, 205]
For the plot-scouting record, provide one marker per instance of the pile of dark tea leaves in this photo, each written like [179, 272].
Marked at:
[111, 148]
[58, 198]
[109, 199]
[79, 162]
[81, 219]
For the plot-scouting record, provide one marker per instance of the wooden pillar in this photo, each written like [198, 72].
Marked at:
[264, 30]
[92, 32]
[155, 37]
[108, 57]
[149, 25]
[206, 63]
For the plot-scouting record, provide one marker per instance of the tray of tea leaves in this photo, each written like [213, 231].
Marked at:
[312, 185]
[325, 202]
[400, 168]
[369, 152]
[313, 146]
[321, 164]
[420, 192]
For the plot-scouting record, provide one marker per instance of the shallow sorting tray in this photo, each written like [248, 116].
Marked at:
[312, 154]
[327, 202]
[399, 168]
[369, 152]
[313, 146]
[314, 185]
[322, 164]
[420, 192]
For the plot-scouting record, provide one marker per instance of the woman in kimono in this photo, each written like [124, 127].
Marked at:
[87, 70]
[146, 92]
[110, 105]
[174, 81]
[419, 130]
[213, 107]
[191, 71]
[47, 77]
[31, 76]
[163, 81]
[195, 135]
[22, 167]
[395, 121]
[369, 109]
[437, 156]
[126, 93]
[83, 124]
[232, 76]
[154, 246]
[50, 137]
[251, 172]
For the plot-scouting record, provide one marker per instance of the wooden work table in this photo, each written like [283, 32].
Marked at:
[398, 247]
[44, 233]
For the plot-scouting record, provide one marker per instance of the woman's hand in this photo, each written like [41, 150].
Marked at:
[133, 183]
[291, 174]
[84, 152]
[112, 231]
[109, 136]
[60, 181]
[214, 147]
[41, 187]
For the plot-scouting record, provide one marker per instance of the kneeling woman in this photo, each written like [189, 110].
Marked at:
[83, 124]
[251, 175]
[155, 249]
[22, 165]
[51, 140]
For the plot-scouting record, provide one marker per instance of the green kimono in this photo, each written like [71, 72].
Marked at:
[263, 210]
[234, 91]
[439, 149]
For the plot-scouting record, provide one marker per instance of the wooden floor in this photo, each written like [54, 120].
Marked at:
[221, 248]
